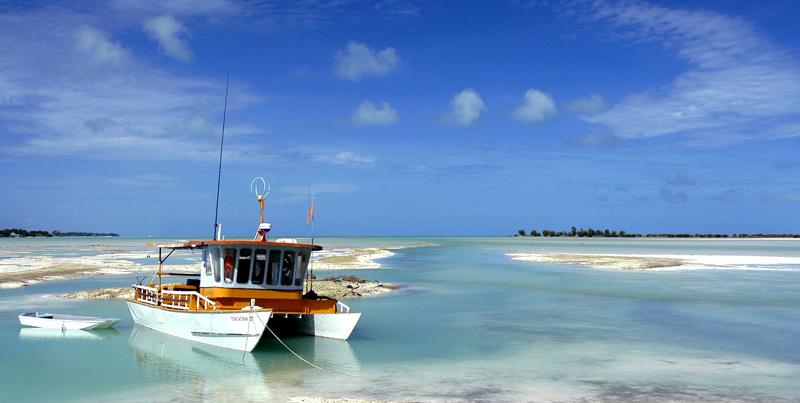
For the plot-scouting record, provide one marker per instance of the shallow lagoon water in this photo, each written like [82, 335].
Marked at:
[470, 323]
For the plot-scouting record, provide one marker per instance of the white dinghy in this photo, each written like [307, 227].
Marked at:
[65, 322]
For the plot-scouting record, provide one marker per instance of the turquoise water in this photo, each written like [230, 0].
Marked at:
[470, 323]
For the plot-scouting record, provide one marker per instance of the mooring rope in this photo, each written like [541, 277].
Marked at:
[247, 337]
[292, 351]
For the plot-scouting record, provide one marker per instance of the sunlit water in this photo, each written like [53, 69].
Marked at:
[470, 323]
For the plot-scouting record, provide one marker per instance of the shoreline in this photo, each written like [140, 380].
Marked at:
[648, 238]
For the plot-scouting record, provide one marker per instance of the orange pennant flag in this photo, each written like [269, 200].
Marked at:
[310, 212]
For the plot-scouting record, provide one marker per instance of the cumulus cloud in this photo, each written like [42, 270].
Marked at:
[98, 46]
[367, 114]
[357, 61]
[465, 108]
[738, 84]
[536, 107]
[588, 104]
[170, 35]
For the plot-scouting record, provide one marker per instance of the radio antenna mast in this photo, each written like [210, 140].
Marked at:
[219, 171]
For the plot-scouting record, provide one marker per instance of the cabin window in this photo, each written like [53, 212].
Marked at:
[207, 261]
[298, 276]
[243, 268]
[273, 267]
[259, 266]
[215, 263]
[229, 263]
[287, 268]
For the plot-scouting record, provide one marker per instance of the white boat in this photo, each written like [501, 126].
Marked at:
[235, 329]
[64, 322]
[242, 285]
[38, 334]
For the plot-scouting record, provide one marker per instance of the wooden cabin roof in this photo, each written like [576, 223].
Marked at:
[241, 242]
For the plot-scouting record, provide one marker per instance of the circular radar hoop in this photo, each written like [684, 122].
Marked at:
[260, 187]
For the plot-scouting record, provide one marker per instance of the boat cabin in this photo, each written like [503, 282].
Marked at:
[237, 273]
[254, 265]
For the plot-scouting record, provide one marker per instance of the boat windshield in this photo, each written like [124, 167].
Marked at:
[288, 268]
[273, 269]
[243, 272]
[230, 262]
[259, 266]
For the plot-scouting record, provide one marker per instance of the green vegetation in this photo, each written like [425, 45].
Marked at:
[606, 233]
[20, 233]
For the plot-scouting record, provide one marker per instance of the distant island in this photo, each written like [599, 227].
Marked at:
[21, 233]
[606, 233]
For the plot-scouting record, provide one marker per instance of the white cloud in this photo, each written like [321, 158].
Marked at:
[66, 103]
[357, 61]
[536, 107]
[465, 108]
[738, 86]
[170, 35]
[346, 158]
[98, 46]
[367, 114]
[589, 104]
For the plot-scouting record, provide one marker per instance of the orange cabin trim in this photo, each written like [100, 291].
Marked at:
[280, 301]
[247, 293]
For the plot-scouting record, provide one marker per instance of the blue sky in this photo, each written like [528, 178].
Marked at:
[408, 118]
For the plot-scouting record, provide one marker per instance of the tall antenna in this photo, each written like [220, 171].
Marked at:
[219, 171]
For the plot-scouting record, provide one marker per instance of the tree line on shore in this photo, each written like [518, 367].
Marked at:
[591, 233]
[21, 233]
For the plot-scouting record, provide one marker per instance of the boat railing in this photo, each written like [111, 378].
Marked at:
[342, 307]
[172, 299]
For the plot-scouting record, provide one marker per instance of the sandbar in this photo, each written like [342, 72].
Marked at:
[663, 262]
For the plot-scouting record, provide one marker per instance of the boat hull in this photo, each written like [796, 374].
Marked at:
[65, 322]
[237, 330]
[333, 325]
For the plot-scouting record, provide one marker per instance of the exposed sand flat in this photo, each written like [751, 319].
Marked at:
[355, 258]
[98, 293]
[336, 287]
[24, 270]
[314, 399]
[21, 271]
[663, 262]
[343, 257]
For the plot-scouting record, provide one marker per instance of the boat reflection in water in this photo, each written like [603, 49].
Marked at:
[214, 372]
[35, 333]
